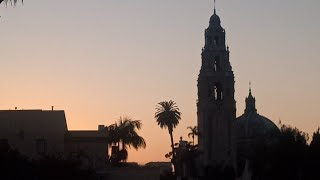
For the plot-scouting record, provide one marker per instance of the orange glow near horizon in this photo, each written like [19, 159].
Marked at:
[102, 60]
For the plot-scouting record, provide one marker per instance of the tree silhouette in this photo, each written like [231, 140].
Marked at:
[14, 166]
[280, 157]
[193, 132]
[52, 167]
[11, 162]
[124, 132]
[315, 143]
[167, 116]
[311, 169]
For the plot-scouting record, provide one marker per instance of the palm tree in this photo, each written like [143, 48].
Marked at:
[124, 132]
[193, 132]
[113, 134]
[128, 134]
[167, 116]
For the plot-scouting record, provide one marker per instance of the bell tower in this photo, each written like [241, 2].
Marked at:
[216, 104]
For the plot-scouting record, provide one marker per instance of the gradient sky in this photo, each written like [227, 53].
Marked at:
[99, 60]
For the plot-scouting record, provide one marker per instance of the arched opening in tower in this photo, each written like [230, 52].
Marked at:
[217, 92]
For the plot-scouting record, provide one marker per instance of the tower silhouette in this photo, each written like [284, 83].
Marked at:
[216, 104]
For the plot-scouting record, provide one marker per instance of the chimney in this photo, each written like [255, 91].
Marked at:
[101, 128]
[52, 108]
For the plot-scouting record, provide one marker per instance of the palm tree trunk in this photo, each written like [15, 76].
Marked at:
[172, 147]
[172, 143]
[123, 160]
[193, 140]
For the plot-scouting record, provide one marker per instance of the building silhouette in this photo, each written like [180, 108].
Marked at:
[216, 104]
[225, 141]
[252, 129]
[35, 133]
[251, 125]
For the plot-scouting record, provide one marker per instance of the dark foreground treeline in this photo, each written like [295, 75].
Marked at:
[282, 155]
[286, 156]
[14, 166]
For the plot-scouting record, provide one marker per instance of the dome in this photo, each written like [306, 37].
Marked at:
[252, 131]
[252, 125]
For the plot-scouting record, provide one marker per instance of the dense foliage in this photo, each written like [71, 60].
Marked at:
[14, 166]
[286, 156]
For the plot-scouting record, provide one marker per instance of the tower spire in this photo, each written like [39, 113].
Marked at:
[250, 102]
[250, 92]
[214, 6]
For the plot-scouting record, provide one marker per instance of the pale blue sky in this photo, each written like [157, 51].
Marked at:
[101, 59]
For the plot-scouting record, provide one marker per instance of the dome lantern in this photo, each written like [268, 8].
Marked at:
[250, 102]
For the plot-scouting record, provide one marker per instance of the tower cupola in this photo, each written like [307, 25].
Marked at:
[250, 103]
[215, 20]
[215, 35]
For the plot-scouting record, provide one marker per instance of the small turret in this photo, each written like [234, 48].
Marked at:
[250, 103]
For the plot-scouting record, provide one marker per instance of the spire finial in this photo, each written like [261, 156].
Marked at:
[250, 93]
[214, 4]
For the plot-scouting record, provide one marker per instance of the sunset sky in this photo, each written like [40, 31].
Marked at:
[99, 60]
